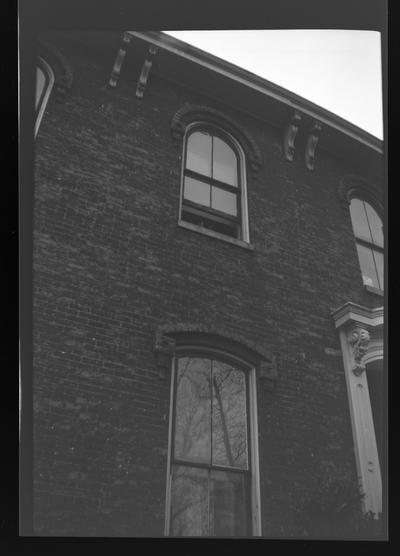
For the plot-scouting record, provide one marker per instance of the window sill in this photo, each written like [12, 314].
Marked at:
[216, 235]
[374, 290]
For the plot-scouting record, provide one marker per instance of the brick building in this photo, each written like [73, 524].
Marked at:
[208, 282]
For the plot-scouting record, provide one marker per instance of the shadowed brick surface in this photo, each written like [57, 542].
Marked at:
[111, 265]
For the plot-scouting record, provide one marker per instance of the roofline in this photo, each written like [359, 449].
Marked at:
[259, 84]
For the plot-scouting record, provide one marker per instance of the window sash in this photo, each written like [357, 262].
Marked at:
[205, 519]
[210, 216]
[247, 472]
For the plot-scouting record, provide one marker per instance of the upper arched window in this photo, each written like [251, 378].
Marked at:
[368, 231]
[44, 84]
[214, 189]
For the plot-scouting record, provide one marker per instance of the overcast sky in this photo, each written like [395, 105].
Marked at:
[339, 70]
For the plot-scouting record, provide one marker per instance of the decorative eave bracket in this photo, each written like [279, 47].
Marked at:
[144, 75]
[290, 136]
[311, 145]
[362, 331]
[358, 340]
[118, 61]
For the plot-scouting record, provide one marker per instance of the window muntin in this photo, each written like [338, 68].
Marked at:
[368, 231]
[44, 84]
[213, 182]
[210, 459]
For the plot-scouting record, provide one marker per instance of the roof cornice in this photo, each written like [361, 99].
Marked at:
[259, 84]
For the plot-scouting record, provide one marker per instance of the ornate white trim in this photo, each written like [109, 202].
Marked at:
[361, 338]
[358, 340]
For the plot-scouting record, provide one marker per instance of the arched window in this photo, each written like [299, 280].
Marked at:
[214, 188]
[213, 476]
[368, 231]
[44, 84]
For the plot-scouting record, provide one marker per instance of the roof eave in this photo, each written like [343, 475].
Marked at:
[263, 86]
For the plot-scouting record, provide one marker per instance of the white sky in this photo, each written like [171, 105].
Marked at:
[339, 70]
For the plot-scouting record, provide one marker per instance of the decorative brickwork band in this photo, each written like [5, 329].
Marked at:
[192, 113]
[118, 61]
[62, 69]
[311, 145]
[144, 75]
[358, 340]
[290, 136]
[170, 337]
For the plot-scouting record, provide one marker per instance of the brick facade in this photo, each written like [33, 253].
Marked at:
[111, 266]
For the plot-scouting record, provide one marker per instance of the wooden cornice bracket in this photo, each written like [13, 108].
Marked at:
[358, 340]
[311, 145]
[144, 75]
[290, 136]
[118, 61]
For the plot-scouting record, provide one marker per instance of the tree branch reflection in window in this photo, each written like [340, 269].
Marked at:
[210, 457]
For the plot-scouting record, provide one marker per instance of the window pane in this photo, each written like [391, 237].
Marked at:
[228, 508]
[193, 410]
[375, 224]
[379, 266]
[359, 220]
[189, 502]
[224, 162]
[197, 191]
[229, 426]
[40, 84]
[367, 265]
[224, 201]
[198, 156]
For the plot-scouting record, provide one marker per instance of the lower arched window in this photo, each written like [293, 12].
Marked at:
[212, 483]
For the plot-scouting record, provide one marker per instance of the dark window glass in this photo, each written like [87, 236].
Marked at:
[41, 81]
[189, 501]
[224, 201]
[367, 227]
[229, 424]
[379, 267]
[375, 225]
[228, 504]
[359, 220]
[197, 191]
[224, 162]
[199, 147]
[209, 472]
[193, 410]
[367, 264]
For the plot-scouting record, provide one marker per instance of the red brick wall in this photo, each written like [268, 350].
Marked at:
[111, 265]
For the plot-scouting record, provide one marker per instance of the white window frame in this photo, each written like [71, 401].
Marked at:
[354, 322]
[244, 223]
[255, 503]
[42, 107]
